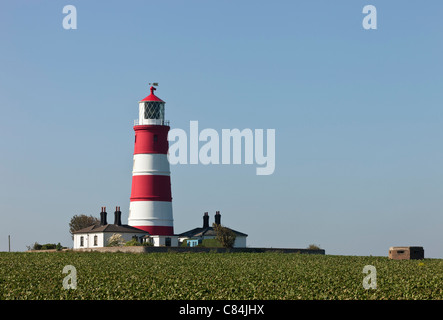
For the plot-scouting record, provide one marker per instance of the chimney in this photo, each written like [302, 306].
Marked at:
[217, 217]
[117, 216]
[206, 220]
[103, 217]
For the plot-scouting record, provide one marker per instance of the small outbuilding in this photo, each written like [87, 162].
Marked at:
[406, 253]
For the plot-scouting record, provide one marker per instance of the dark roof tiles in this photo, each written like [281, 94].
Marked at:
[110, 228]
[200, 232]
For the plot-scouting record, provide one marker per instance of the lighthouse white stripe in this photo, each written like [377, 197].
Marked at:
[150, 213]
[151, 164]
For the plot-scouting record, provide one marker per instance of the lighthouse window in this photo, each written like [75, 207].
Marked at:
[154, 110]
[155, 138]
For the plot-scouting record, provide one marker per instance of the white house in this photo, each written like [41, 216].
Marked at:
[207, 232]
[96, 236]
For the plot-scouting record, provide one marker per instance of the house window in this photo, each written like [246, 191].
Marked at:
[192, 242]
[81, 241]
[95, 240]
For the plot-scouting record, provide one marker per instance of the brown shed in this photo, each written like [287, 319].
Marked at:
[406, 253]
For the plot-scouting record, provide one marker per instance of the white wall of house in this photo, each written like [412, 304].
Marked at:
[89, 240]
[240, 242]
[160, 241]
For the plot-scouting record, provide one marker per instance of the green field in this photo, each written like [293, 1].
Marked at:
[215, 276]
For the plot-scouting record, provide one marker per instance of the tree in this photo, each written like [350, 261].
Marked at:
[116, 240]
[81, 221]
[224, 235]
[35, 246]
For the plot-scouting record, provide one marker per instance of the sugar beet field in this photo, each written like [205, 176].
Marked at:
[164, 276]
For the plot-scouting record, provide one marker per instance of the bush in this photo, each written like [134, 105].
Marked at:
[210, 243]
[48, 246]
[132, 242]
[314, 247]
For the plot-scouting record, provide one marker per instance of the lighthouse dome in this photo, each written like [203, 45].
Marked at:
[152, 96]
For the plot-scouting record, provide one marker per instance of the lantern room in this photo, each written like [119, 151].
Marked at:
[151, 110]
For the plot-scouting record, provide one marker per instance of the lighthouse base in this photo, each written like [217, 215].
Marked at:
[157, 230]
[154, 217]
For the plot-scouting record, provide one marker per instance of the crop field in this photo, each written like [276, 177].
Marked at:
[214, 276]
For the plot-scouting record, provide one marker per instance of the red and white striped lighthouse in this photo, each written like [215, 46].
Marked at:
[150, 208]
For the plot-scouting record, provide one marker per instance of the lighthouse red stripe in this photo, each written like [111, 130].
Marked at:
[151, 139]
[157, 230]
[151, 188]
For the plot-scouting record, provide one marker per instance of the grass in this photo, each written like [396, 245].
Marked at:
[215, 276]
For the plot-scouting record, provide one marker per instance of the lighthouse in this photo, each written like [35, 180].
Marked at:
[150, 206]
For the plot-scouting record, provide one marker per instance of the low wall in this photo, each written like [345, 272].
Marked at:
[143, 249]
[48, 250]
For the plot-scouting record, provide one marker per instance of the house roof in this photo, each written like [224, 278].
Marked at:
[209, 231]
[111, 228]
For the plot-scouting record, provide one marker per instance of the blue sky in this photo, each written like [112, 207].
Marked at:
[357, 115]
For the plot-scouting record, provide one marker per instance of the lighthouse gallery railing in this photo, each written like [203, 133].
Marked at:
[159, 122]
